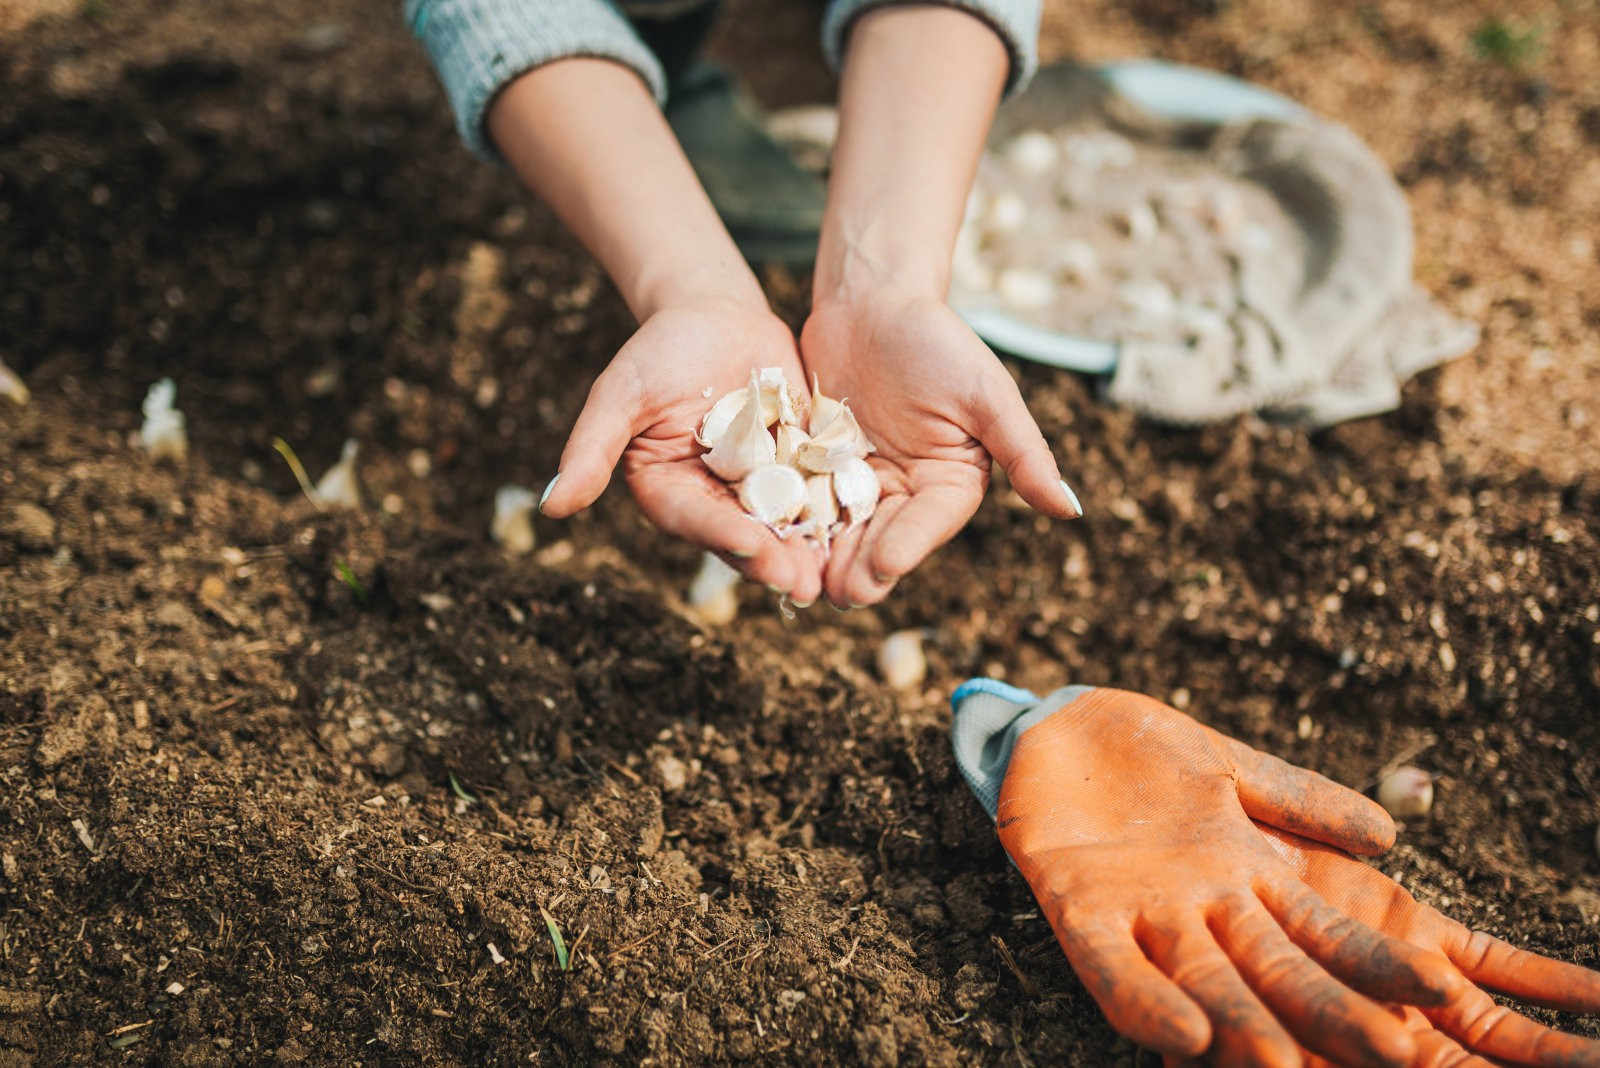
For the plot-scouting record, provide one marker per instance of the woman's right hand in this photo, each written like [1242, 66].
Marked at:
[644, 410]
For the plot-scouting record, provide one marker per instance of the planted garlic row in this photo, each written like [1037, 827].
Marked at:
[792, 476]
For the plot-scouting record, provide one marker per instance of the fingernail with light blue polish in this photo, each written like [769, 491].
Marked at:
[1077, 508]
[548, 486]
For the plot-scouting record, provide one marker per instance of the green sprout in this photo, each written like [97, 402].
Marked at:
[556, 940]
[1505, 43]
[461, 791]
[348, 577]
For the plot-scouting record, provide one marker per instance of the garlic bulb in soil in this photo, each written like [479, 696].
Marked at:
[12, 387]
[163, 435]
[714, 593]
[901, 662]
[512, 525]
[745, 445]
[787, 477]
[1406, 792]
[338, 487]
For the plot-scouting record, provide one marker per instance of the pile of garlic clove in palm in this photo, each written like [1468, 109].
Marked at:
[797, 471]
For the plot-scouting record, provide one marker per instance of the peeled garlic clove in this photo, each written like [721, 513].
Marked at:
[1031, 153]
[901, 662]
[163, 435]
[1007, 212]
[822, 510]
[789, 439]
[720, 417]
[823, 409]
[338, 488]
[1078, 260]
[1137, 221]
[1150, 297]
[773, 493]
[714, 593]
[746, 444]
[839, 441]
[1406, 792]
[512, 526]
[12, 387]
[1024, 289]
[855, 485]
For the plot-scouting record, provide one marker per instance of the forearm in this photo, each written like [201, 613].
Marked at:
[587, 137]
[918, 93]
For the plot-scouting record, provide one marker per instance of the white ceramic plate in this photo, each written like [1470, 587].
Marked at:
[1169, 91]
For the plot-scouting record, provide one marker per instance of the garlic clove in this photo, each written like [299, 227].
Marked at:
[839, 441]
[901, 662]
[855, 485]
[777, 400]
[720, 417]
[512, 525]
[1137, 221]
[163, 435]
[823, 409]
[773, 493]
[1031, 153]
[714, 593]
[12, 387]
[338, 487]
[1078, 260]
[1024, 289]
[789, 438]
[1007, 213]
[1406, 792]
[746, 444]
[822, 509]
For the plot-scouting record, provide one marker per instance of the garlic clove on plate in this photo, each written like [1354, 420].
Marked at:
[338, 487]
[512, 525]
[745, 445]
[855, 485]
[1007, 212]
[773, 493]
[1031, 153]
[1024, 289]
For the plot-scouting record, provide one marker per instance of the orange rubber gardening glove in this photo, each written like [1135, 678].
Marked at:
[1469, 1019]
[1197, 933]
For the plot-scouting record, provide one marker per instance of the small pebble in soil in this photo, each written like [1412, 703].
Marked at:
[1406, 792]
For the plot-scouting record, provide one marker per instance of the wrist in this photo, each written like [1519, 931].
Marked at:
[860, 265]
[721, 281]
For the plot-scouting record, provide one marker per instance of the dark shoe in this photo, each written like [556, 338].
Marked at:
[770, 205]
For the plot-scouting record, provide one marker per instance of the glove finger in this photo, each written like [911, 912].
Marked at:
[1375, 964]
[1243, 1031]
[1489, 962]
[1139, 1001]
[1295, 799]
[1477, 1022]
[1435, 1049]
[1322, 1013]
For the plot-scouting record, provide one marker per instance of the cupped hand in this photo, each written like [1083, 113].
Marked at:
[644, 410]
[1133, 825]
[939, 407]
[1469, 1028]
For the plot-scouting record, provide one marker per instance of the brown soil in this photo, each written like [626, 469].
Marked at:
[226, 767]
